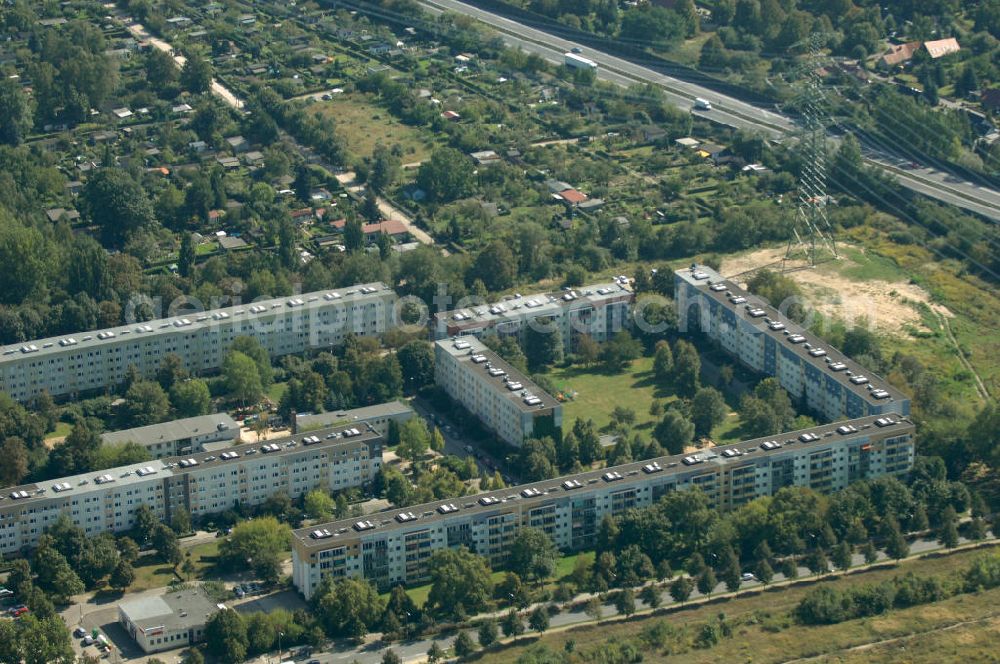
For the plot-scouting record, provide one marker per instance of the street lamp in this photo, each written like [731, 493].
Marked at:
[280, 634]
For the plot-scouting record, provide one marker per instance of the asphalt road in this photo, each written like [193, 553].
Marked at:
[371, 653]
[727, 110]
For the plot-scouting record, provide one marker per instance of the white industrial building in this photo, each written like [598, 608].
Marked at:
[166, 622]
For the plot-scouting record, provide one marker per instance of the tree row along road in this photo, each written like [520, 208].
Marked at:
[727, 110]
[139, 31]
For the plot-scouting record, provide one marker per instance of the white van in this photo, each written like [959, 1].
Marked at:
[702, 104]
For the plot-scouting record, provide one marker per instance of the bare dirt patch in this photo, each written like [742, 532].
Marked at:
[889, 306]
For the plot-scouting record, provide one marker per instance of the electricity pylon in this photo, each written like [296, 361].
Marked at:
[812, 234]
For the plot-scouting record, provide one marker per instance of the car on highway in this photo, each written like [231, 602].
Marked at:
[576, 49]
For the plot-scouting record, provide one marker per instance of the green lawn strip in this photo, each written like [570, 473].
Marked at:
[764, 632]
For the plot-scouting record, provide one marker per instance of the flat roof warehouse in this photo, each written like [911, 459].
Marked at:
[547, 490]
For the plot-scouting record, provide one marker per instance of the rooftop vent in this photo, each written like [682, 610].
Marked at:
[489, 500]
[447, 508]
[569, 485]
[769, 445]
[613, 476]
[651, 468]
[320, 533]
[796, 339]
[884, 422]
[531, 493]
[363, 525]
[404, 517]
[809, 438]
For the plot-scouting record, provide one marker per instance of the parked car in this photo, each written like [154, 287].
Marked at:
[19, 611]
[6, 592]
[239, 592]
[88, 640]
[748, 576]
[79, 632]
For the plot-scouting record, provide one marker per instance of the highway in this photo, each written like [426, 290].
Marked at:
[940, 185]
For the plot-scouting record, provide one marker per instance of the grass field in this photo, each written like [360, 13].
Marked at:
[151, 573]
[61, 431]
[363, 124]
[597, 393]
[766, 635]
[564, 566]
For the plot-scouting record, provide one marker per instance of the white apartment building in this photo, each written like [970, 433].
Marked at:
[178, 436]
[393, 547]
[201, 483]
[95, 361]
[597, 311]
[506, 401]
[760, 337]
[378, 416]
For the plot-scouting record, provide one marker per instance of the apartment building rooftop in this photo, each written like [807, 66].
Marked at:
[503, 377]
[188, 322]
[139, 472]
[189, 427]
[307, 421]
[791, 336]
[347, 530]
[517, 306]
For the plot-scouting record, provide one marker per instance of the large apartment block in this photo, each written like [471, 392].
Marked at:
[598, 311]
[506, 401]
[393, 547]
[760, 337]
[93, 361]
[378, 416]
[177, 437]
[201, 483]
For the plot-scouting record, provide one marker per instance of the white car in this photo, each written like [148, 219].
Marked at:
[748, 576]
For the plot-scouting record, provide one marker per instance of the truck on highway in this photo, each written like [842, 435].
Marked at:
[702, 104]
[578, 61]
